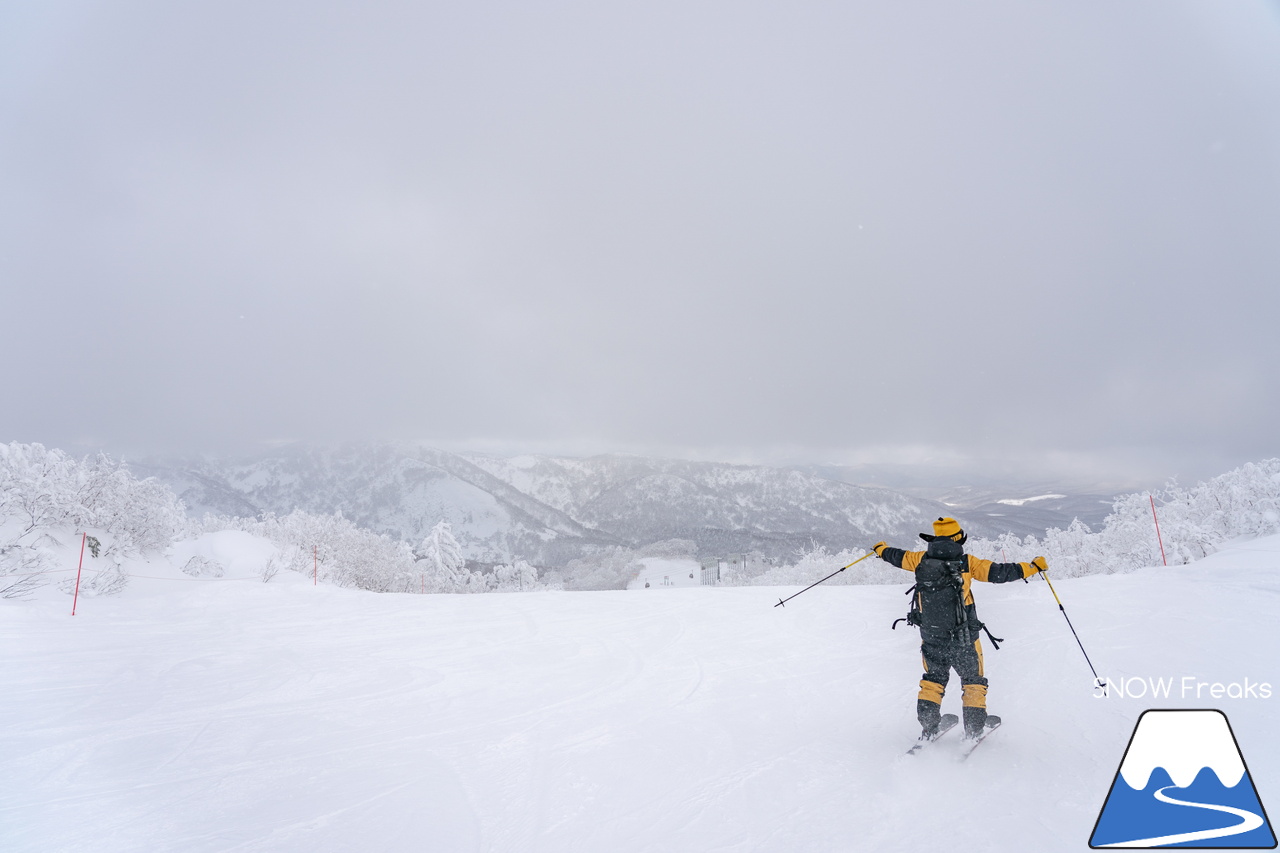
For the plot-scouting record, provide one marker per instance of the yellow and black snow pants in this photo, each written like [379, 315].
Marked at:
[942, 656]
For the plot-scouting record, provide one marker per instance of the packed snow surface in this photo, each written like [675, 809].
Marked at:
[231, 715]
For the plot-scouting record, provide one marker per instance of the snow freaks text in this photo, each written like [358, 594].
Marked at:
[1184, 687]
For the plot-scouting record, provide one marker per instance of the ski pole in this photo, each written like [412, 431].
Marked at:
[1096, 678]
[782, 602]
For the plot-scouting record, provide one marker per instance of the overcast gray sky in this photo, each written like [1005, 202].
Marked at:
[808, 231]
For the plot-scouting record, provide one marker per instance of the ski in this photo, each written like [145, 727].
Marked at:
[967, 748]
[946, 724]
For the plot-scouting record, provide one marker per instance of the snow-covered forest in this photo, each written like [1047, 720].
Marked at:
[48, 499]
[1193, 523]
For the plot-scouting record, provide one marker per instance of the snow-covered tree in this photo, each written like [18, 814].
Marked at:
[338, 550]
[515, 577]
[479, 582]
[1194, 523]
[47, 497]
[611, 568]
[442, 556]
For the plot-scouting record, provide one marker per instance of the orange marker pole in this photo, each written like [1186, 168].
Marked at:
[1157, 521]
[83, 538]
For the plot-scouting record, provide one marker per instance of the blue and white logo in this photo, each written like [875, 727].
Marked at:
[1183, 783]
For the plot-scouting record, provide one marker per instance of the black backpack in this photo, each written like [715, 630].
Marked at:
[937, 606]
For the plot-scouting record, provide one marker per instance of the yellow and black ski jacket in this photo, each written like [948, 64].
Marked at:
[939, 620]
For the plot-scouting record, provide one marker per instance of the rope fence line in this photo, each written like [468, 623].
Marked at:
[125, 574]
[78, 571]
[37, 574]
[196, 580]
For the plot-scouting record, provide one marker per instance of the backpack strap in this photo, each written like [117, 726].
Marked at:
[913, 616]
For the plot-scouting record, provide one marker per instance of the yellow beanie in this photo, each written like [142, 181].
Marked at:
[947, 528]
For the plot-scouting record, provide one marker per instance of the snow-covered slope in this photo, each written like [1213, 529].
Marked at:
[201, 714]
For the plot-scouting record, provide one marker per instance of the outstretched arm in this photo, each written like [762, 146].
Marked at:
[907, 560]
[985, 570]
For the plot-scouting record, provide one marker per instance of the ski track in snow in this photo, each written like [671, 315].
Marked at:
[1248, 822]
[284, 717]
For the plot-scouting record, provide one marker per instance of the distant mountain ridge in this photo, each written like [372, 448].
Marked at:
[724, 507]
[550, 510]
[1006, 501]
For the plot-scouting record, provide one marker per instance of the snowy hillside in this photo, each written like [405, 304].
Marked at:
[550, 510]
[400, 491]
[726, 508]
[215, 714]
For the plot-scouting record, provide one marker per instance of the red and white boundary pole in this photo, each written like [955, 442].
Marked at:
[84, 537]
[315, 569]
[1158, 536]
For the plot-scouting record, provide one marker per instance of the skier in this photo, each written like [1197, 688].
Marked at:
[944, 610]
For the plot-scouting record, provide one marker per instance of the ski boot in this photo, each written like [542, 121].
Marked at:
[930, 715]
[975, 721]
